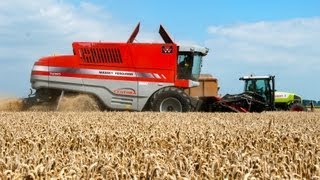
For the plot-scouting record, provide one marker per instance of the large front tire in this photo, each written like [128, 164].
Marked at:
[170, 99]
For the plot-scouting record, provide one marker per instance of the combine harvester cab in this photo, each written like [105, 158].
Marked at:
[122, 76]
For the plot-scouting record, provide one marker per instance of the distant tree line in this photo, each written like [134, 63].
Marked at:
[307, 102]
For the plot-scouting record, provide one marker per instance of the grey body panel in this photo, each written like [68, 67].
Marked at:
[71, 84]
[114, 94]
[38, 82]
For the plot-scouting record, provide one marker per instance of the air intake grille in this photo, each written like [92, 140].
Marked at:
[100, 55]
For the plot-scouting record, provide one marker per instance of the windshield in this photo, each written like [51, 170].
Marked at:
[259, 86]
[189, 65]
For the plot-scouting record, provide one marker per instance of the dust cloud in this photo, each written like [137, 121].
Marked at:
[82, 102]
[11, 104]
[77, 103]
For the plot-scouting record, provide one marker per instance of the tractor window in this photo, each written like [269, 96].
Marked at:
[267, 91]
[185, 66]
[189, 66]
[259, 86]
[197, 64]
[250, 86]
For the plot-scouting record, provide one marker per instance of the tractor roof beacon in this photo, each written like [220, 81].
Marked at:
[122, 76]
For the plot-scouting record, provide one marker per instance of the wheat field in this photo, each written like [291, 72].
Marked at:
[147, 145]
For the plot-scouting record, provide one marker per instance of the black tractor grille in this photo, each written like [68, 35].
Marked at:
[100, 55]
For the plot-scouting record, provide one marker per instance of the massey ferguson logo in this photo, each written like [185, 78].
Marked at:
[167, 49]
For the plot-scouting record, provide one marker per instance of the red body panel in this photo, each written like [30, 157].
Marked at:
[135, 61]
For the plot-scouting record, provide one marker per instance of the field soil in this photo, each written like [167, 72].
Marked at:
[147, 145]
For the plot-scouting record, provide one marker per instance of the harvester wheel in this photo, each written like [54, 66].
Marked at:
[297, 107]
[170, 99]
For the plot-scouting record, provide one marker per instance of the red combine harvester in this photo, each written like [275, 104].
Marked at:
[122, 76]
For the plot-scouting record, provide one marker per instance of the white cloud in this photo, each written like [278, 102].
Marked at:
[52, 25]
[32, 29]
[286, 41]
[289, 49]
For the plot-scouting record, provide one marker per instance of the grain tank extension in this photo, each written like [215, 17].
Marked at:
[122, 76]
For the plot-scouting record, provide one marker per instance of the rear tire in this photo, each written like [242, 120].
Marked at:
[170, 99]
[297, 107]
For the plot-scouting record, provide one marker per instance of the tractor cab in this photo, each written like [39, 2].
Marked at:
[190, 62]
[261, 85]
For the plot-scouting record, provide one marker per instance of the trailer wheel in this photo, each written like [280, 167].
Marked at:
[297, 107]
[170, 99]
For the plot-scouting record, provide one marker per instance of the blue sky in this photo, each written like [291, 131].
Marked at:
[278, 37]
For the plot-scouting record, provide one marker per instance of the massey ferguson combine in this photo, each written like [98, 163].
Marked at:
[122, 76]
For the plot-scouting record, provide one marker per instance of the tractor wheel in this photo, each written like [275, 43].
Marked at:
[170, 99]
[297, 107]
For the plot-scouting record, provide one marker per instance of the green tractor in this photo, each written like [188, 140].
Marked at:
[275, 100]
